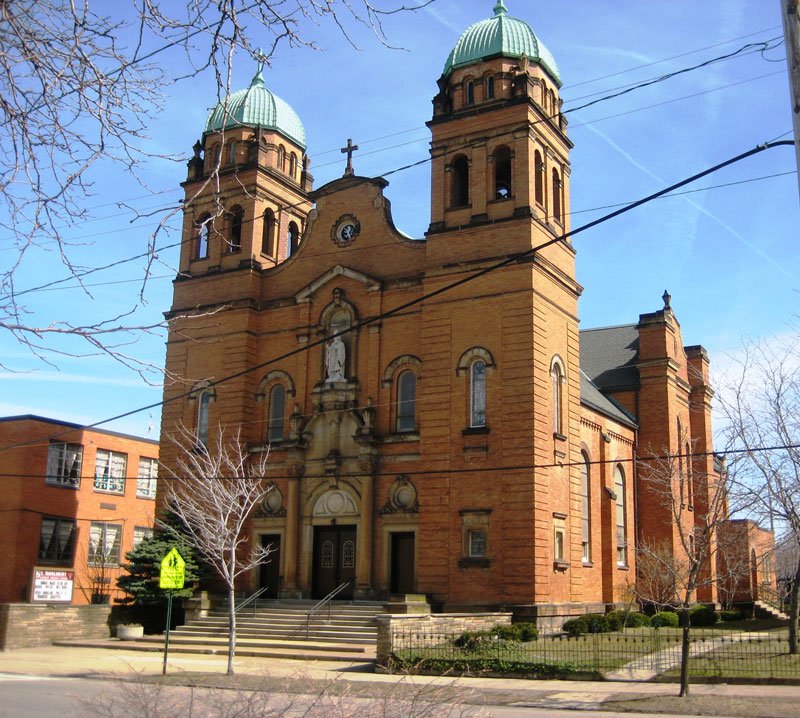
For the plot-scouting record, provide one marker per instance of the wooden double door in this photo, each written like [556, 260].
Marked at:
[334, 560]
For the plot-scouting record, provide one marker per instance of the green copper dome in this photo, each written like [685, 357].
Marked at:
[257, 106]
[504, 36]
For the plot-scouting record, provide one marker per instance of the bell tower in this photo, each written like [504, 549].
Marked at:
[247, 185]
[499, 145]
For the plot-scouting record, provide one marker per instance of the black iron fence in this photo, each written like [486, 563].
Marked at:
[641, 653]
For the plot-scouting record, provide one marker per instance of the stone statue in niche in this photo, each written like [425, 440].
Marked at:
[335, 356]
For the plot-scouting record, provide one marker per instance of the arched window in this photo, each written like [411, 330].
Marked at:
[538, 178]
[586, 510]
[621, 518]
[293, 237]
[407, 401]
[470, 94]
[277, 411]
[203, 403]
[552, 104]
[477, 393]
[490, 87]
[232, 149]
[268, 233]
[460, 182]
[292, 165]
[235, 239]
[502, 172]
[689, 479]
[557, 380]
[203, 233]
[557, 209]
[281, 158]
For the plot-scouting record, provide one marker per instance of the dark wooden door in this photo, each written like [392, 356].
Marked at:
[271, 571]
[334, 560]
[402, 562]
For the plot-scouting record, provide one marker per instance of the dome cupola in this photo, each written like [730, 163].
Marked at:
[256, 106]
[500, 36]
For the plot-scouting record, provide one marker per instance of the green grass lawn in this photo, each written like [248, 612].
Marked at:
[765, 654]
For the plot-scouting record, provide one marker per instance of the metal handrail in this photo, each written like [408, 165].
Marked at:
[251, 599]
[319, 605]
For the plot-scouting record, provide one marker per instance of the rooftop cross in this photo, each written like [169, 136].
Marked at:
[349, 152]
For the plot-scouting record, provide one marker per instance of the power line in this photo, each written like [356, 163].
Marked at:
[465, 146]
[470, 277]
[644, 459]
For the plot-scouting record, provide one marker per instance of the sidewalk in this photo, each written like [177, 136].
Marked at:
[734, 700]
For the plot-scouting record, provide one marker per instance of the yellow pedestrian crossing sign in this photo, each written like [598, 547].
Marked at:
[173, 571]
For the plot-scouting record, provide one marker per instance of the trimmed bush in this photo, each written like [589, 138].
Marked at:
[617, 620]
[664, 619]
[700, 615]
[589, 623]
[518, 632]
[733, 614]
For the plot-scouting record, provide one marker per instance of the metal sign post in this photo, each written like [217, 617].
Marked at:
[171, 577]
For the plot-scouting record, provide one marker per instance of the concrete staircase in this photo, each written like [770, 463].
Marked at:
[278, 629]
[767, 610]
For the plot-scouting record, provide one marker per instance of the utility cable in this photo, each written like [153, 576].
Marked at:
[471, 277]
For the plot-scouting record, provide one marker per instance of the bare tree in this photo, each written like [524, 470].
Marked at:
[760, 400]
[78, 89]
[213, 490]
[684, 560]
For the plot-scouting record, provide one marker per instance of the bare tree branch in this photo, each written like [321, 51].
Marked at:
[213, 490]
[78, 88]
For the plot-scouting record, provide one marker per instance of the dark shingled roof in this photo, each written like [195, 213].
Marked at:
[609, 355]
[594, 399]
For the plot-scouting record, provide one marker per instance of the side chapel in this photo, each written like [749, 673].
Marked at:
[472, 445]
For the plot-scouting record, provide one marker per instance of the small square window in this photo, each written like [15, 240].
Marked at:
[146, 478]
[477, 543]
[140, 533]
[109, 471]
[64, 464]
[57, 541]
[104, 544]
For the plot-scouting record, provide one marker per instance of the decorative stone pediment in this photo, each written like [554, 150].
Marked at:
[305, 294]
[334, 504]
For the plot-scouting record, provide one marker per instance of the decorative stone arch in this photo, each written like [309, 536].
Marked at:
[404, 360]
[338, 303]
[471, 355]
[202, 387]
[334, 503]
[274, 376]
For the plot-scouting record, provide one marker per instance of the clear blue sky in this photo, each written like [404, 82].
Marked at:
[728, 255]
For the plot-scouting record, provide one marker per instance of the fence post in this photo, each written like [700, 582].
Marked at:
[596, 651]
[657, 644]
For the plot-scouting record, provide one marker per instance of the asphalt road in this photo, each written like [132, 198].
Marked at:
[25, 696]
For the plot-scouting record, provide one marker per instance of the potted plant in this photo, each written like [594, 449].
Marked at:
[129, 631]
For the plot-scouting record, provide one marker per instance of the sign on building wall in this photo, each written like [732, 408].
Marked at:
[52, 585]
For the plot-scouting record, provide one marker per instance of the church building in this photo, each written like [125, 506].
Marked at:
[436, 421]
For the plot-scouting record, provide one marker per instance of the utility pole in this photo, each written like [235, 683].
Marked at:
[791, 36]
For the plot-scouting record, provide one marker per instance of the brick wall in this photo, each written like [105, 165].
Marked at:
[24, 625]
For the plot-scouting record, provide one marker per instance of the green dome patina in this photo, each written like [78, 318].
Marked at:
[257, 106]
[503, 36]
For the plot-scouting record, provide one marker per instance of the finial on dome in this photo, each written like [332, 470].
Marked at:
[258, 78]
[500, 8]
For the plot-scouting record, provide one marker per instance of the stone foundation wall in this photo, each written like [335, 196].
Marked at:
[25, 625]
[550, 617]
[392, 625]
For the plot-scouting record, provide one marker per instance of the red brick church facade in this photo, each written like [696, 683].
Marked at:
[471, 443]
